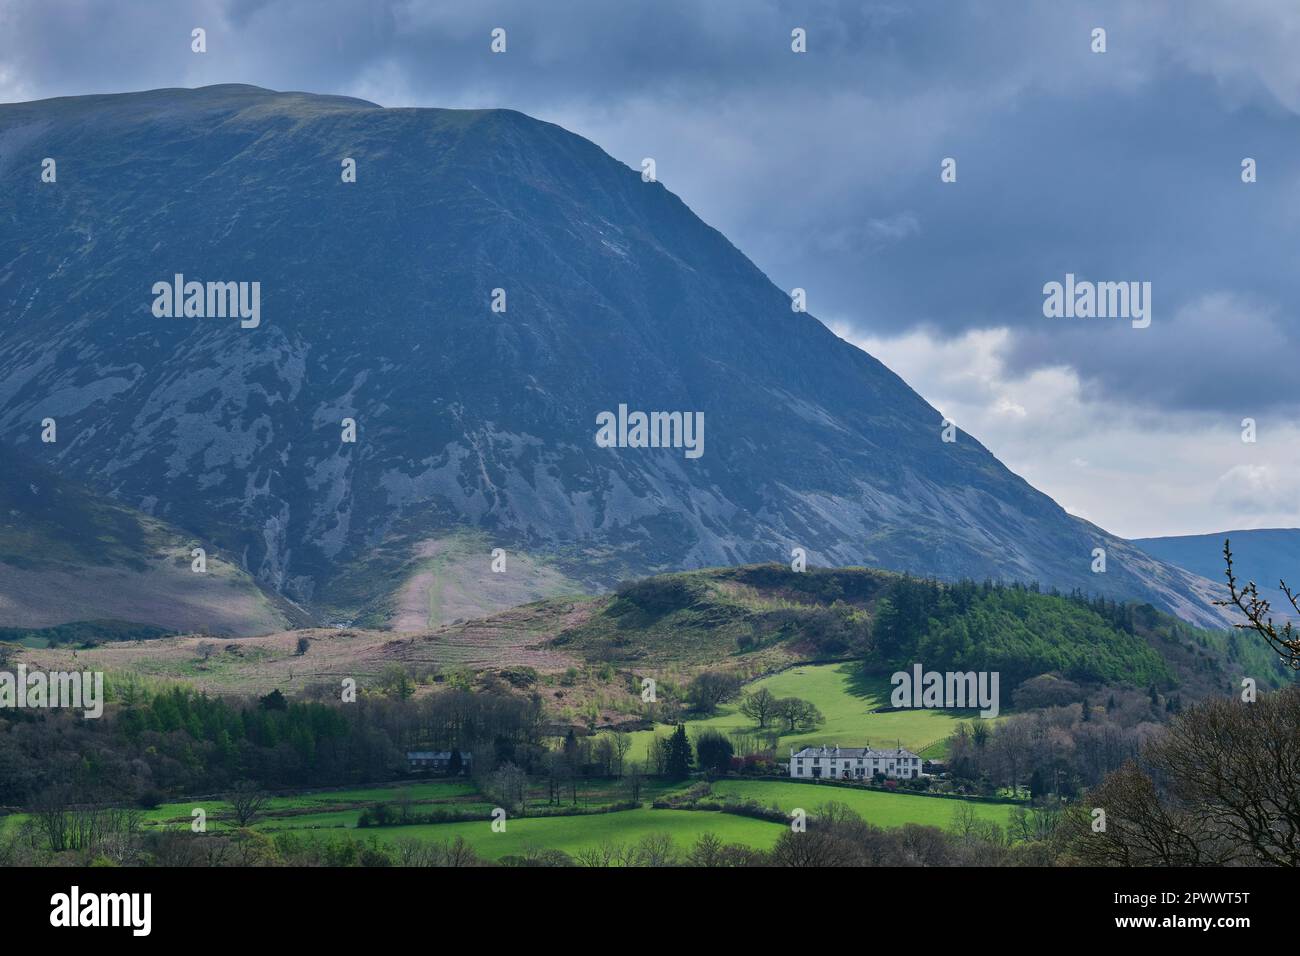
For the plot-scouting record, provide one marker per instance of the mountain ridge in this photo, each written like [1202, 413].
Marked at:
[1266, 556]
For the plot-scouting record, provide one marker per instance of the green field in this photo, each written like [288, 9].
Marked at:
[297, 810]
[886, 810]
[333, 814]
[342, 808]
[572, 834]
[846, 700]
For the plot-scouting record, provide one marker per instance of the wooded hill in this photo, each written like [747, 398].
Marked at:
[892, 621]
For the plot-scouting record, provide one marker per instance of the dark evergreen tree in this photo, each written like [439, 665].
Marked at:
[274, 701]
[678, 765]
[714, 751]
[1038, 785]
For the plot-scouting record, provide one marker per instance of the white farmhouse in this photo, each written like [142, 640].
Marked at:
[853, 763]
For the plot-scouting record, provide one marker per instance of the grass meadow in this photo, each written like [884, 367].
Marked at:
[847, 701]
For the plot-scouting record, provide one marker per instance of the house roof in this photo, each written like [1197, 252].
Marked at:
[434, 754]
[842, 753]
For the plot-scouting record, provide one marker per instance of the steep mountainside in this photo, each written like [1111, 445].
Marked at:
[375, 306]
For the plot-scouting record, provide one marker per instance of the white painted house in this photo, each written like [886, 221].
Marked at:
[853, 763]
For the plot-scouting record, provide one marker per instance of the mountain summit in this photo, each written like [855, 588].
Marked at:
[375, 302]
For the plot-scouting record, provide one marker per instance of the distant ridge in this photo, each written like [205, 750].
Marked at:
[1265, 556]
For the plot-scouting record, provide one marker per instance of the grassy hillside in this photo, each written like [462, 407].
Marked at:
[444, 579]
[886, 810]
[764, 617]
[589, 653]
[47, 523]
[69, 554]
[758, 611]
[453, 581]
[81, 633]
[847, 699]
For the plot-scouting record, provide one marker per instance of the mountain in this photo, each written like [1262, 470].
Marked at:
[1265, 556]
[71, 556]
[375, 305]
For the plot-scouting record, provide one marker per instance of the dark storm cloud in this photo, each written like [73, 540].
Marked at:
[824, 168]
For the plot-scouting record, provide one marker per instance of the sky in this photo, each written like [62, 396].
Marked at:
[824, 167]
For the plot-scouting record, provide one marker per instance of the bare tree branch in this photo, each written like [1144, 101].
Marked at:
[1247, 600]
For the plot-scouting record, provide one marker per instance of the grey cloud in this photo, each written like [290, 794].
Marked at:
[824, 167]
[1220, 352]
